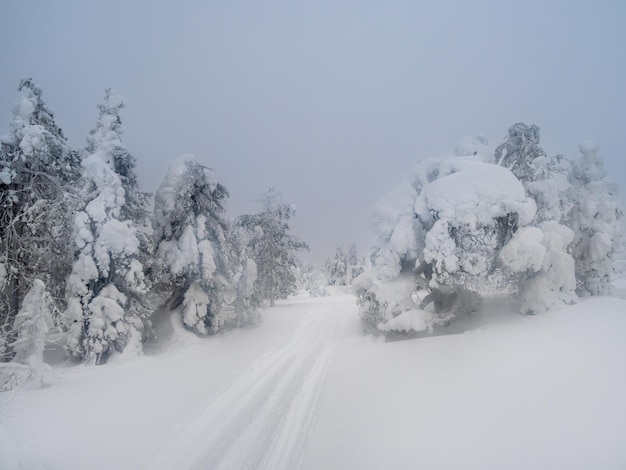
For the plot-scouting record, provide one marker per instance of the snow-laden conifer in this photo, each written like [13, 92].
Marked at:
[545, 179]
[272, 247]
[107, 288]
[38, 170]
[520, 150]
[595, 218]
[544, 176]
[198, 263]
[337, 268]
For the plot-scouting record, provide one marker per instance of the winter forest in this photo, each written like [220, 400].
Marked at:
[312, 235]
[515, 221]
[86, 252]
[91, 263]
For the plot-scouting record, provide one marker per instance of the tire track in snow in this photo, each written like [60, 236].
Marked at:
[264, 418]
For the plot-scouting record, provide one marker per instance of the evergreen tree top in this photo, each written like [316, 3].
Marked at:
[31, 110]
[109, 124]
[519, 150]
[105, 140]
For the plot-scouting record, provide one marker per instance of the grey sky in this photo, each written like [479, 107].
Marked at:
[331, 102]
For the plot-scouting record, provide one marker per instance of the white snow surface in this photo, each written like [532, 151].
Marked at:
[307, 389]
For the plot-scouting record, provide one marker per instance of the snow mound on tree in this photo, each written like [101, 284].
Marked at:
[474, 195]
[462, 190]
[417, 217]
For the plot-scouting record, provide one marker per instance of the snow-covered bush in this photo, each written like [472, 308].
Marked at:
[31, 325]
[107, 288]
[466, 217]
[440, 233]
[539, 254]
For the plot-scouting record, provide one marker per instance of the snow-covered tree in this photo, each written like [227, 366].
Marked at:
[107, 287]
[520, 150]
[595, 220]
[244, 306]
[31, 328]
[460, 227]
[355, 266]
[38, 170]
[543, 176]
[545, 179]
[337, 268]
[272, 247]
[343, 267]
[32, 324]
[199, 265]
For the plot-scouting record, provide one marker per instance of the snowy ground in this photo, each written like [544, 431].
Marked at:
[308, 390]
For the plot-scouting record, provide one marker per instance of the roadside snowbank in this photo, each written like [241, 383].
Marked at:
[515, 392]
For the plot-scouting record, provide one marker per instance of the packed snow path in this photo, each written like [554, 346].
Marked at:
[265, 416]
[307, 390]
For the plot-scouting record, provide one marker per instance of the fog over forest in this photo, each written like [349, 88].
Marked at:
[331, 104]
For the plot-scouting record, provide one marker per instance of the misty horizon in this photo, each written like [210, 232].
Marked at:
[332, 105]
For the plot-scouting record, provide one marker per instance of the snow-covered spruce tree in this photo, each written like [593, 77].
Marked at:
[355, 267]
[199, 263]
[107, 308]
[519, 151]
[337, 268]
[545, 178]
[38, 171]
[272, 247]
[243, 308]
[595, 219]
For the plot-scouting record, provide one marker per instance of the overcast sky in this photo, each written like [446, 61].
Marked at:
[331, 102]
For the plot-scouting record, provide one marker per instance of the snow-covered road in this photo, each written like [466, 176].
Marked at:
[306, 390]
[263, 418]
